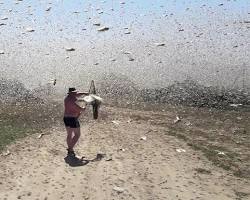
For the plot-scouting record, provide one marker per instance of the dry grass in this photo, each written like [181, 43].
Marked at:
[20, 120]
[222, 135]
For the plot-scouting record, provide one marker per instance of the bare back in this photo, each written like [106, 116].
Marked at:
[71, 109]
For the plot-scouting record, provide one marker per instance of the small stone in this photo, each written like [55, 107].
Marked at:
[109, 159]
[220, 152]
[116, 122]
[180, 150]
[143, 138]
[118, 189]
[177, 120]
[40, 136]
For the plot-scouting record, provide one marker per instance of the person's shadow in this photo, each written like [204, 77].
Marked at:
[77, 162]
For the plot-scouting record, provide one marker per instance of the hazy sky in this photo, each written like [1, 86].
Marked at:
[204, 40]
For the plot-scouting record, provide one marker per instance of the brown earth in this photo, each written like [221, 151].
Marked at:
[129, 154]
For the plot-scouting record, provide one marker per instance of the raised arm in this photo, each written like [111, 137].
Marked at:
[82, 93]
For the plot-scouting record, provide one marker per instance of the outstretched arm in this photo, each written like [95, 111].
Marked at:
[82, 93]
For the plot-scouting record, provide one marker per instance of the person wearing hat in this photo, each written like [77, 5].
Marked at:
[71, 113]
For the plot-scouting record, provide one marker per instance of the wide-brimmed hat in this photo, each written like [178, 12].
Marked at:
[72, 90]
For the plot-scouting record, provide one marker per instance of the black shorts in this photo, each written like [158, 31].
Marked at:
[71, 122]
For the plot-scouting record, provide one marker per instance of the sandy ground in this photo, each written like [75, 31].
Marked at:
[129, 167]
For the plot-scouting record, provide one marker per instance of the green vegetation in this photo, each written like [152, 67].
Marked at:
[241, 195]
[10, 131]
[20, 120]
[222, 135]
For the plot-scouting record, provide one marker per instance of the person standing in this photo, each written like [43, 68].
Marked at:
[72, 111]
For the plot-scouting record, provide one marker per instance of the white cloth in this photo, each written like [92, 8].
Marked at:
[91, 98]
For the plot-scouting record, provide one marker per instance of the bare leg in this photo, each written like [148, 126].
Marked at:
[77, 134]
[69, 138]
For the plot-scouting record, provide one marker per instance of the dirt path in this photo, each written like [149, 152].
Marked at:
[132, 168]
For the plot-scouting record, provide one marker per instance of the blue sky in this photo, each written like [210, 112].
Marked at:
[145, 12]
[200, 36]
